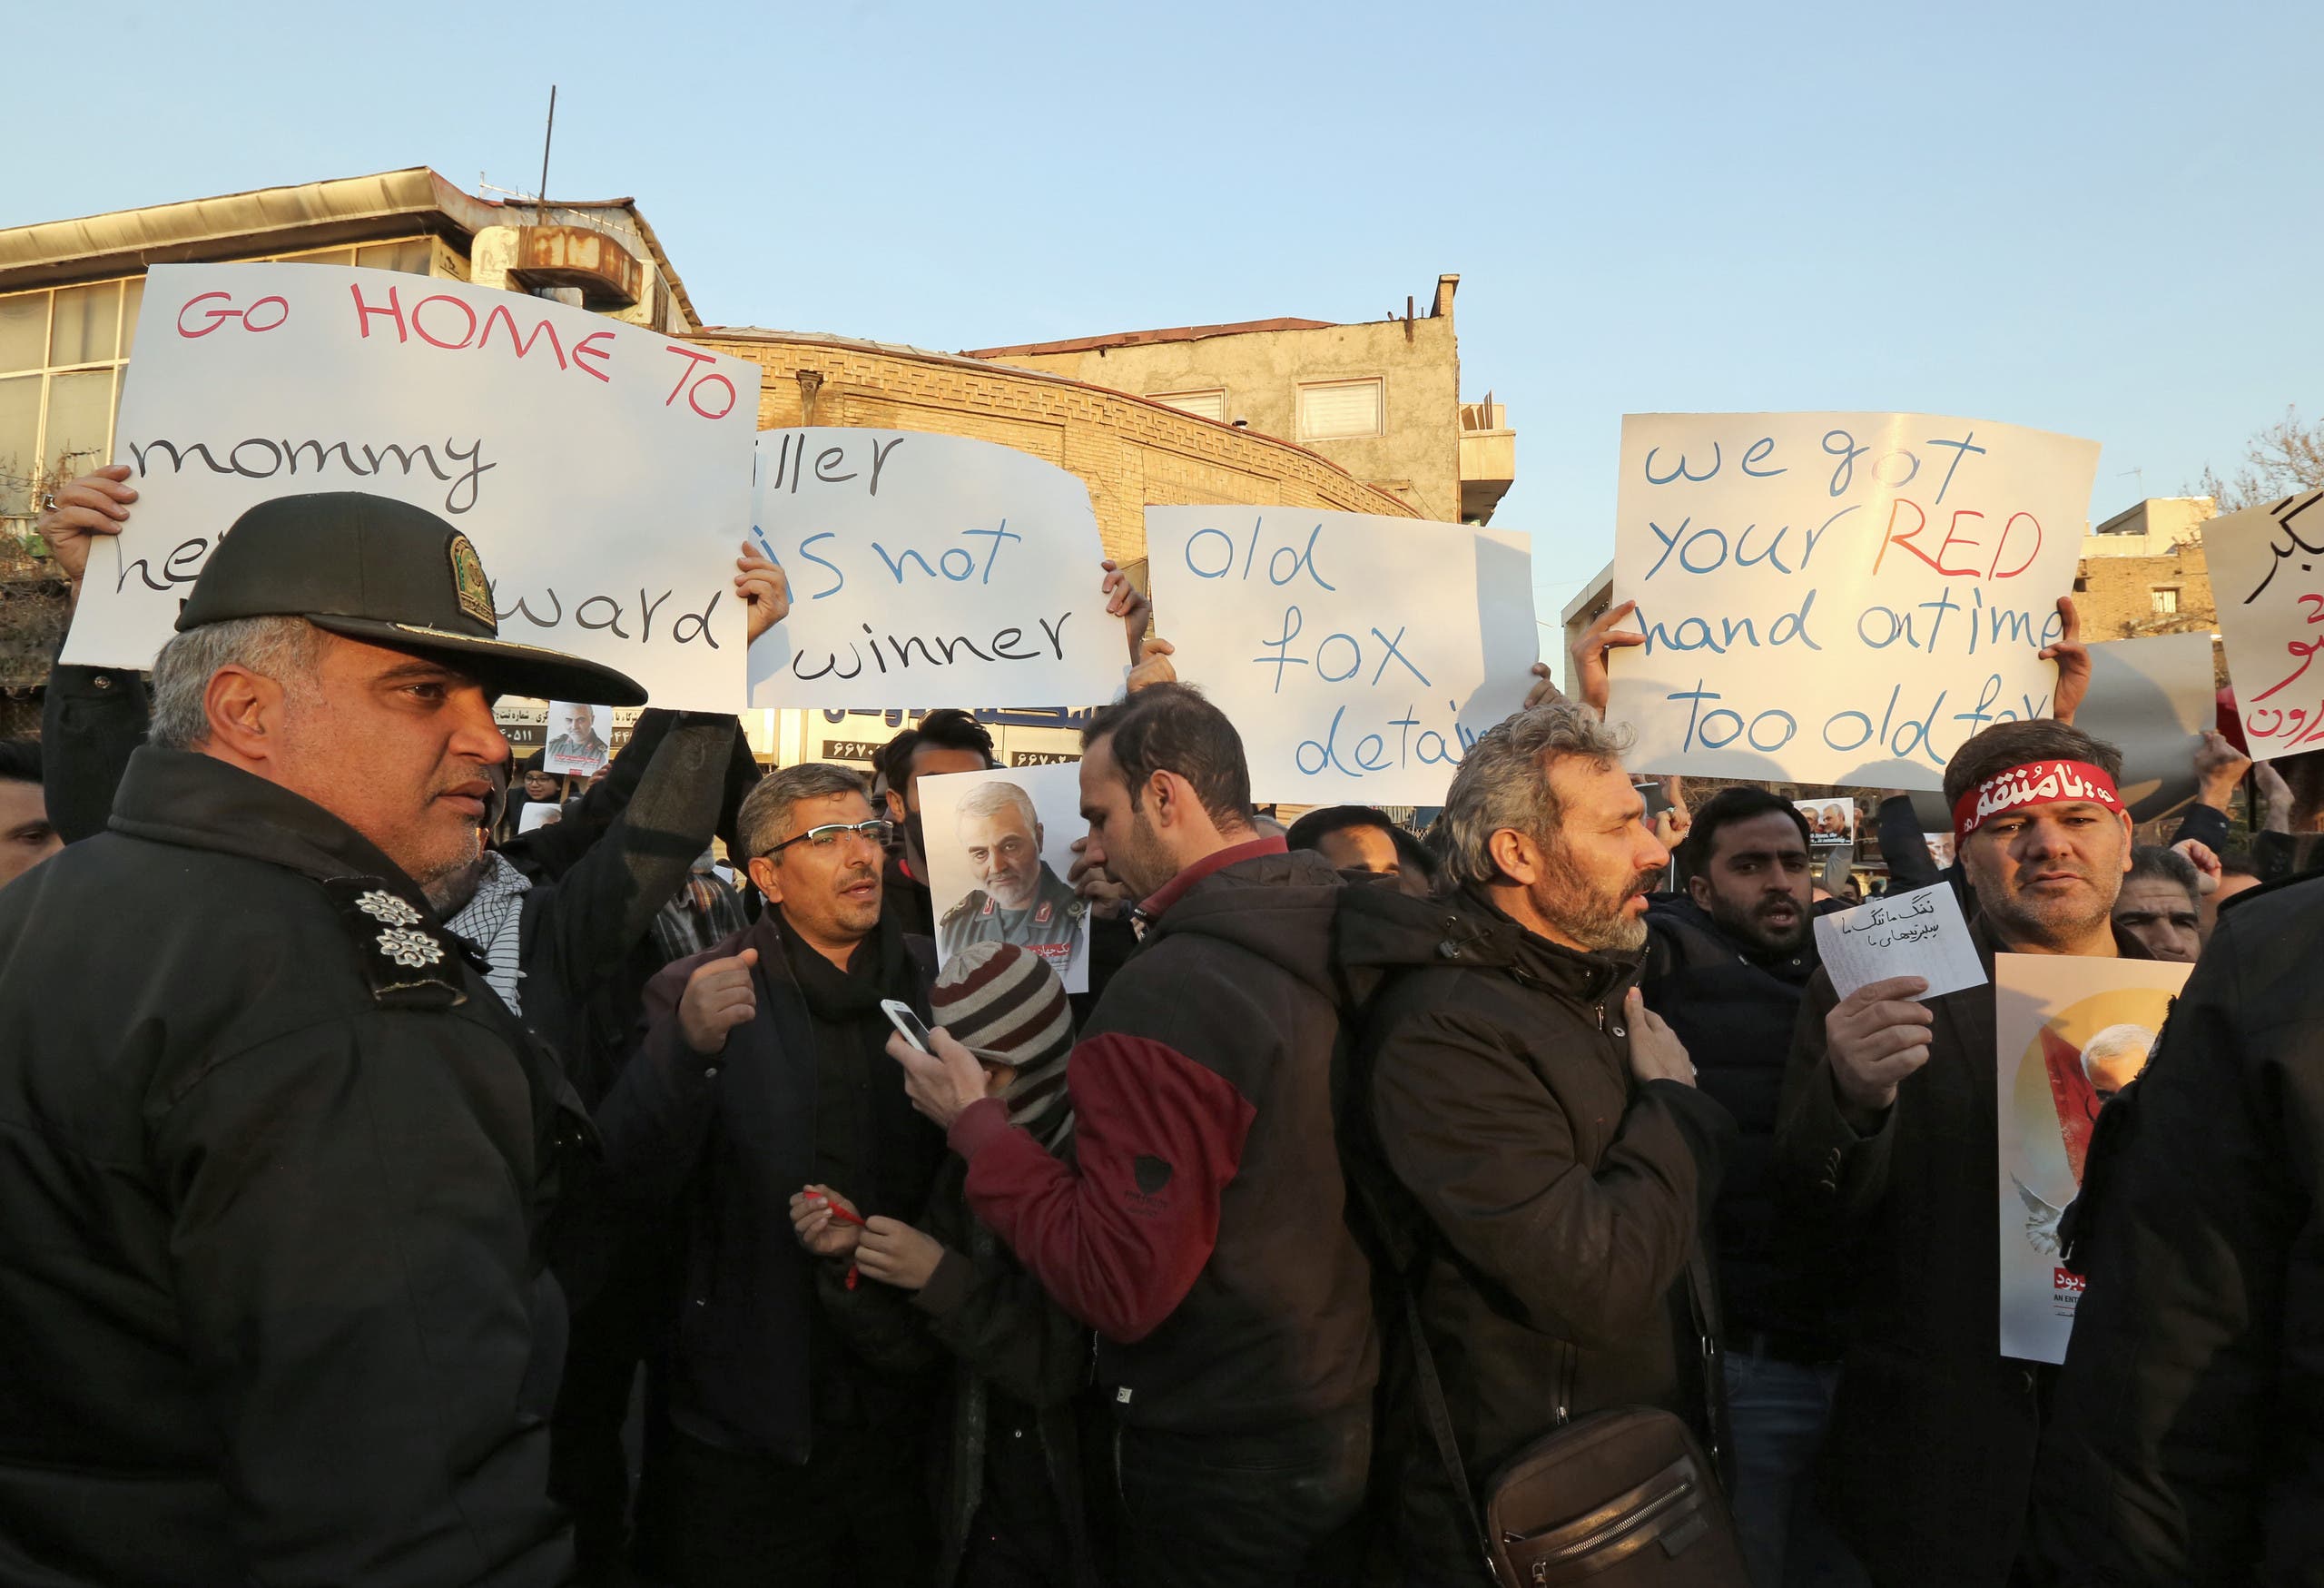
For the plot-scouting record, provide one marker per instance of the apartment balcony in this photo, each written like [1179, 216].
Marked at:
[1488, 459]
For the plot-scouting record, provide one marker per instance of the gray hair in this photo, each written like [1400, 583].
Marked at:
[764, 819]
[285, 649]
[987, 799]
[1503, 781]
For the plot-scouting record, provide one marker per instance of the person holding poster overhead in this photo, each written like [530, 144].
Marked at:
[1886, 1152]
[2186, 1442]
[280, 1162]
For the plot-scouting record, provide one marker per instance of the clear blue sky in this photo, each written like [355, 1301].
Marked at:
[2104, 219]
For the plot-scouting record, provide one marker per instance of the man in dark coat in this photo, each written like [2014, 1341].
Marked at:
[272, 1298]
[1545, 1123]
[1200, 1228]
[1887, 1153]
[1726, 962]
[2186, 1438]
[762, 1076]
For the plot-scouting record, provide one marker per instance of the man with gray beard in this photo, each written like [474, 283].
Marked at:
[1543, 1124]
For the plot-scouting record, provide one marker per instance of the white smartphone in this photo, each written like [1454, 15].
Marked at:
[900, 1016]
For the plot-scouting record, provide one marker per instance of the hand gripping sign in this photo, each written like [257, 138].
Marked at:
[1838, 597]
[601, 469]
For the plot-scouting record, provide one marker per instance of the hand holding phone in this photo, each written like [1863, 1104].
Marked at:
[900, 1016]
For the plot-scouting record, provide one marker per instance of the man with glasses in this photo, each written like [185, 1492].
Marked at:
[763, 1077]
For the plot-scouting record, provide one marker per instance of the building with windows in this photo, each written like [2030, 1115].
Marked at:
[1378, 404]
[1380, 399]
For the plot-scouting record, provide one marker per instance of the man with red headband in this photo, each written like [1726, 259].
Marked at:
[1886, 1148]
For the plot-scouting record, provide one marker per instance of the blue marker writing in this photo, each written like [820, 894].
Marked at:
[761, 538]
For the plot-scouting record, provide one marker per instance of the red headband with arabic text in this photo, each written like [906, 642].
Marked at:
[2037, 783]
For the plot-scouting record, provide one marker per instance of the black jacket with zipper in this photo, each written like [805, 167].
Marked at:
[1017, 1358]
[273, 1163]
[1564, 1200]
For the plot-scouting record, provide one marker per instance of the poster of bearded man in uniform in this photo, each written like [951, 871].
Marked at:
[999, 845]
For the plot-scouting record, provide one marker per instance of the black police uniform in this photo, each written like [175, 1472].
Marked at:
[273, 1159]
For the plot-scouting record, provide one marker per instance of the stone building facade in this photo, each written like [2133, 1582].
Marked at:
[1133, 453]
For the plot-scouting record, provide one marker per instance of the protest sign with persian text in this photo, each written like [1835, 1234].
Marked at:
[930, 570]
[1838, 597]
[1359, 655]
[2267, 568]
[601, 469]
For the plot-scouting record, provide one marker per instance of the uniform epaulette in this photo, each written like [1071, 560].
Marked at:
[408, 961]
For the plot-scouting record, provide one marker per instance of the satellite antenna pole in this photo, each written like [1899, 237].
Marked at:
[541, 198]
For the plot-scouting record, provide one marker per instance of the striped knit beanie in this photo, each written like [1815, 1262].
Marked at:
[1005, 1004]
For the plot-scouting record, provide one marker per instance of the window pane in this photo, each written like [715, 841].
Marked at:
[132, 301]
[1348, 407]
[1209, 405]
[82, 331]
[19, 435]
[23, 330]
[79, 420]
[409, 256]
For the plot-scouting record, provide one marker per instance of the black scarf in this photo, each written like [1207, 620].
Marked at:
[879, 968]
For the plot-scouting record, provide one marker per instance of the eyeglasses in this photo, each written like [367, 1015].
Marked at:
[823, 837]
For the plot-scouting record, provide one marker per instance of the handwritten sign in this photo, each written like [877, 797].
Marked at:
[2266, 566]
[929, 570]
[2068, 1034]
[1838, 597]
[601, 469]
[1359, 655]
[1920, 933]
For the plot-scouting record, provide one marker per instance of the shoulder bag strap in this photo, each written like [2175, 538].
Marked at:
[1440, 1424]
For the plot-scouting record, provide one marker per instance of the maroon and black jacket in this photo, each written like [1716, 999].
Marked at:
[1201, 1229]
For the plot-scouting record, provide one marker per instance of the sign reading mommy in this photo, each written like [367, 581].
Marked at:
[601, 469]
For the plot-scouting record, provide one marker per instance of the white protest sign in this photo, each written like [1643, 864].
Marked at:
[2270, 590]
[1360, 655]
[929, 570]
[601, 469]
[2068, 1034]
[2151, 699]
[1838, 597]
[1920, 933]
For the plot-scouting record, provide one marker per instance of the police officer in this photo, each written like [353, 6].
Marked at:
[1019, 900]
[271, 1300]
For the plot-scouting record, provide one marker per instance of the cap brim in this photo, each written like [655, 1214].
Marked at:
[503, 667]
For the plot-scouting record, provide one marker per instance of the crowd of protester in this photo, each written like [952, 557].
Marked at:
[391, 1196]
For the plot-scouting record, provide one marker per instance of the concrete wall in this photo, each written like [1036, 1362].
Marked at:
[1417, 460]
[1132, 454]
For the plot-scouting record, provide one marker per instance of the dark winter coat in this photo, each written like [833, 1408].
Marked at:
[2186, 1438]
[1202, 1231]
[1735, 1011]
[1929, 1457]
[273, 1162]
[724, 1140]
[1012, 1351]
[1564, 1199]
